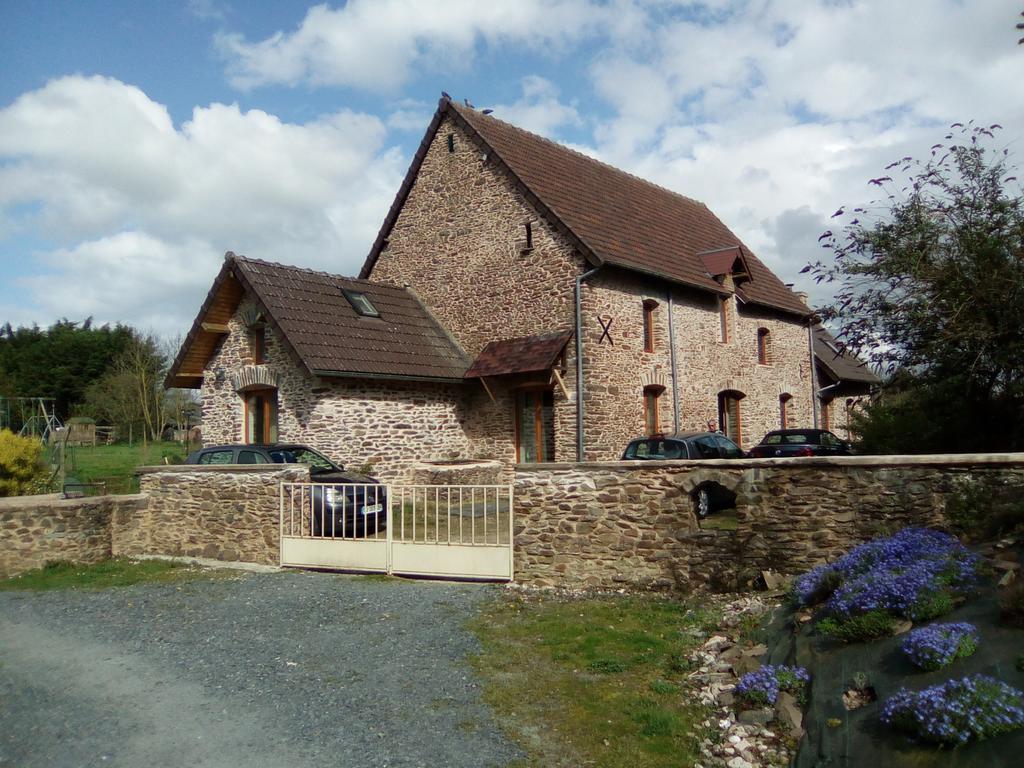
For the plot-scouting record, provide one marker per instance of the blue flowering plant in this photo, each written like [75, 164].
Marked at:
[938, 645]
[761, 687]
[916, 574]
[957, 711]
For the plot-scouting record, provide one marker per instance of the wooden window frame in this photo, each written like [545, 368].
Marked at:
[652, 409]
[270, 407]
[784, 399]
[258, 344]
[723, 319]
[764, 346]
[826, 420]
[723, 413]
[649, 306]
[538, 421]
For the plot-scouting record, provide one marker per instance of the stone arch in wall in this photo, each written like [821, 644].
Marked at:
[739, 481]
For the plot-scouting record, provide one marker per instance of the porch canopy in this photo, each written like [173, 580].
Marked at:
[525, 354]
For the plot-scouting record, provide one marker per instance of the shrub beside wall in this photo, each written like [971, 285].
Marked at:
[22, 470]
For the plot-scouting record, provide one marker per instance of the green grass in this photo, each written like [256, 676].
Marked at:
[108, 573]
[726, 520]
[595, 681]
[115, 464]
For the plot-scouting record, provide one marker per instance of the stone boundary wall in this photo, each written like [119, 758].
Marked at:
[35, 530]
[228, 512]
[632, 524]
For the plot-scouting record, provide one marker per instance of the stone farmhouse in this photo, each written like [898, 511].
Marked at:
[504, 261]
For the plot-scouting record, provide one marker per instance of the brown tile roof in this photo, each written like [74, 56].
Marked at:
[838, 363]
[526, 354]
[721, 262]
[612, 216]
[329, 338]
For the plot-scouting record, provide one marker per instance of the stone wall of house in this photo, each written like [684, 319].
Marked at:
[225, 513]
[617, 367]
[459, 242]
[607, 524]
[35, 530]
[389, 426]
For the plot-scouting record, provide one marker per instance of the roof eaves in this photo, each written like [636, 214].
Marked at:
[197, 324]
[386, 376]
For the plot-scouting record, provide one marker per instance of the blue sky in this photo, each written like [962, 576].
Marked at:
[139, 141]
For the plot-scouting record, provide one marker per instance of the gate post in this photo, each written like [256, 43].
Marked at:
[511, 536]
[389, 520]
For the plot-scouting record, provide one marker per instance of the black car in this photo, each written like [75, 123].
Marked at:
[707, 497]
[800, 442]
[355, 506]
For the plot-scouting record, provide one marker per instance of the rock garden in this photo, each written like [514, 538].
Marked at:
[906, 651]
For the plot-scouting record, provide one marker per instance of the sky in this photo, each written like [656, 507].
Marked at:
[140, 141]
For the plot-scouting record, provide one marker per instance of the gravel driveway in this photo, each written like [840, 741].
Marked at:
[274, 669]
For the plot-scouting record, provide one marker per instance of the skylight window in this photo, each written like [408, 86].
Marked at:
[361, 303]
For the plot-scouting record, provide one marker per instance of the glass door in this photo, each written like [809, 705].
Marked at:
[535, 426]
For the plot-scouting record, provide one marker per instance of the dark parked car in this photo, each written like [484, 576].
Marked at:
[800, 442]
[707, 497]
[356, 506]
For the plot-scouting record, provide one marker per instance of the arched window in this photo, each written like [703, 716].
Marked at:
[784, 399]
[764, 346]
[649, 306]
[652, 414]
[730, 420]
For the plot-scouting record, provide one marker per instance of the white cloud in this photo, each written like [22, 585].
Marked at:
[144, 203]
[775, 112]
[376, 45]
[538, 109]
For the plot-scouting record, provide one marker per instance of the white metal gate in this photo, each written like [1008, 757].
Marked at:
[454, 531]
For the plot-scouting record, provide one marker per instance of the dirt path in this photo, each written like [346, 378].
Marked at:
[264, 670]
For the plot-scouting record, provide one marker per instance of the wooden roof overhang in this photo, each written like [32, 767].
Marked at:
[211, 325]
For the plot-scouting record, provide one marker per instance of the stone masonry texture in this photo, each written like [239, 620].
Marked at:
[387, 427]
[613, 524]
[459, 243]
[36, 530]
[230, 514]
[632, 523]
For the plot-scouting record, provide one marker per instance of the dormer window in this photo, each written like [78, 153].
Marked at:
[361, 303]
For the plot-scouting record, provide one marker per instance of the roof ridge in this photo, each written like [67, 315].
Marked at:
[309, 270]
[459, 108]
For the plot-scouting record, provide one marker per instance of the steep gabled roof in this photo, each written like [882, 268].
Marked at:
[611, 216]
[838, 363]
[322, 330]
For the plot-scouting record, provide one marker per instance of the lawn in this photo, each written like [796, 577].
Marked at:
[598, 681]
[115, 464]
[119, 572]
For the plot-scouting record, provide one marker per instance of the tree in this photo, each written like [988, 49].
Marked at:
[59, 362]
[930, 281]
[131, 394]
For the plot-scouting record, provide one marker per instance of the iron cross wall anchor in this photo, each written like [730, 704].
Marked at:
[606, 330]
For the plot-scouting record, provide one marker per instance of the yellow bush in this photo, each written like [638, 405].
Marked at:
[22, 469]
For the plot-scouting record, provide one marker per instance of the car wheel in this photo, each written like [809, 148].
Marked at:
[702, 503]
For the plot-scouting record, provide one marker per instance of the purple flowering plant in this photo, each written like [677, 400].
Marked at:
[957, 711]
[913, 574]
[761, 687]
[937, 645]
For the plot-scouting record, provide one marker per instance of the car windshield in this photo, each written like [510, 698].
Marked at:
[297, 455]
